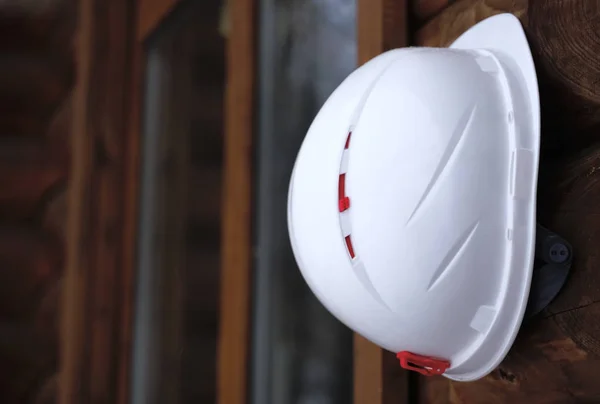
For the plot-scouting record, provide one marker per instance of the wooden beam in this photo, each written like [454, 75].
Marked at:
[424, 10]
[382, 25]
[368, 371]
[37, 75]
[96, 276]
[149, 15]
[236, 233]
[31, 262]
[130, 223]
[72, 310]
[461, 15]
[378, 378]
[30, 169]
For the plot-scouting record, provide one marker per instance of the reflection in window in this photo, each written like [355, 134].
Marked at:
[176, 318]
[300, 353]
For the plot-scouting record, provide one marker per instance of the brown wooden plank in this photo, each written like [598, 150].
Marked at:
[458, 17]
[32, 81]
[72, 327]
[27, 360]
[32, 86]
[130, 224]
[96, 273]
[236, 232]
[48, 392]
[378, 378]
[26, 27]
[382, 25]
[36, 70]
[149, 15]
[29, 170]
[424, 10]
[368, 371]
[555, 358]
[31, 261]
[566, 51]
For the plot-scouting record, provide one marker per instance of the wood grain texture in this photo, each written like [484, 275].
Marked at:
[185, 172]
[425, 10]
[368, 371]
[149, 15]
[36, 77]
[378, 378]
[130, 218]
[382, 25]
[37, 66]
[233, 352]
[28, 359]
[30, 169]
[38, 27]
[460, 16]
[94, 285]
[31, 263]
[556, 357]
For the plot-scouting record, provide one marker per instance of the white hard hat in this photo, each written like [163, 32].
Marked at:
[412, 200]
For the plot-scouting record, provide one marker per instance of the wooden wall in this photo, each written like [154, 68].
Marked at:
[236, 254]
[36, 79]
[554, 360]
[71, 105]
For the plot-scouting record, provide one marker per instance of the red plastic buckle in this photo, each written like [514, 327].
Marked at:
[344, 204]
[422, 364]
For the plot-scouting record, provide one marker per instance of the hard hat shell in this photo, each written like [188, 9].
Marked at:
[411, 206]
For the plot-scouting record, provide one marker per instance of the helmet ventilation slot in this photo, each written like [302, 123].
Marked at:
[349, 247]
[343, 200]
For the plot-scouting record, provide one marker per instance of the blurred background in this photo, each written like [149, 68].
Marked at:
[146, 148]
[138, 321]
[298, 352]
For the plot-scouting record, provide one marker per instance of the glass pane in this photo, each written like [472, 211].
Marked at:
[301, 354]
[178, 253]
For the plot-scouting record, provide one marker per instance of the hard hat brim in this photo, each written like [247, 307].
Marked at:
[503, 35]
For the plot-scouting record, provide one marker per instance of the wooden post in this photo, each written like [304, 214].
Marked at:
[236, 233]
[102, 190]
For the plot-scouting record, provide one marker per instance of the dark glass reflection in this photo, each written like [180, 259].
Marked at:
[177, 285]
[300, 353]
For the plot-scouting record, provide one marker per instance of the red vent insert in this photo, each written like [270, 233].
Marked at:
[424, 365]
[349, 246]
[344, 204]
[343, 200]
[342, 187]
